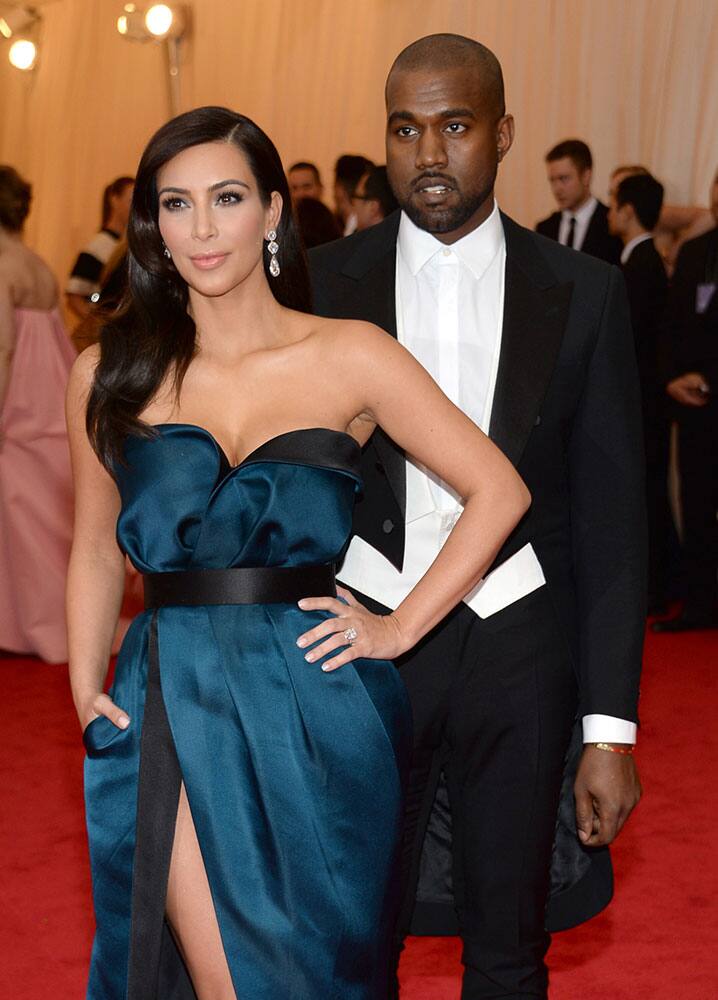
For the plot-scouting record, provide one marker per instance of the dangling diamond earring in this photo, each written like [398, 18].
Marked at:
[273, 247]
[167, 254]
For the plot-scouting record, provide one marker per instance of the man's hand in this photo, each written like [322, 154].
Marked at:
[690, 389]
[607, 790]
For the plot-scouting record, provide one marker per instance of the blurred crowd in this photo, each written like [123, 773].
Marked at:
[669, 258]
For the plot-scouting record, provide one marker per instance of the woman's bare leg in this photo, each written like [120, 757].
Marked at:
[191, 914]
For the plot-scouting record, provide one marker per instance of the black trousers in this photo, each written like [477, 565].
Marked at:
[663, 544]
[698, 462]
[494, 702]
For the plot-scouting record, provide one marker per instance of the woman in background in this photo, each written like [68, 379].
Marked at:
[35, 478]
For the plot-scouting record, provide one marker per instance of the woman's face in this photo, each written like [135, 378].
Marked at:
[211, 217]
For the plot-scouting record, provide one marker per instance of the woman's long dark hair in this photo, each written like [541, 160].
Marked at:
[152, 333]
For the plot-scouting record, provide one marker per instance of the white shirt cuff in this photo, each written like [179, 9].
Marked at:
[607, 729]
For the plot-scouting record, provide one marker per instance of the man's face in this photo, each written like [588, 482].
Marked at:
[618, 218]
[714, 197]
[571, 187]
[616, 179]
[367, 210]
[443, 146]
[303, 183]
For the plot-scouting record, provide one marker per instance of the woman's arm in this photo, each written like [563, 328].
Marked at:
[395, 392]
[96, 574]
[7, 335]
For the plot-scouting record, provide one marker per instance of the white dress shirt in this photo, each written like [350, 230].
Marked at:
[583, 217]
[632, 244]
[449, 312]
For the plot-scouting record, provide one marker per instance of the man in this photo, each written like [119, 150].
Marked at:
[348, 171]
[581, 222]
[692, 324]
[305, 181]
[373, 198]
[532, 341]
[83, 285]
[633, 214]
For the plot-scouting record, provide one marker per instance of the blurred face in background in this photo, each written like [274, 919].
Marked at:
[120, 207]
[571, 187]
[367, 210]
[342, 201]
[618, 218]
[304, 183]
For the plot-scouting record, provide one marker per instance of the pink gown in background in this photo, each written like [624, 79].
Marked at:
[36, 506]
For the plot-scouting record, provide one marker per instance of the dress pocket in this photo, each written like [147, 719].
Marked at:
[99, 733]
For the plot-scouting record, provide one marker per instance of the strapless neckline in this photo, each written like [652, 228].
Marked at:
[252, 455]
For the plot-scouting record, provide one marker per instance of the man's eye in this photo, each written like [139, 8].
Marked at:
[405, 131]
[456, 128]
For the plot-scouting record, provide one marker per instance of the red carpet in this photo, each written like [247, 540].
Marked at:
[657, 941]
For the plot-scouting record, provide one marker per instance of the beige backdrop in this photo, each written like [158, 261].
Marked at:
[638, 79]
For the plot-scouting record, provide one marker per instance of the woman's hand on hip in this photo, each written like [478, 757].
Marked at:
[354, 630]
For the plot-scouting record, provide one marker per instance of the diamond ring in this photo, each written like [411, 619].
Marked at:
[351, 635]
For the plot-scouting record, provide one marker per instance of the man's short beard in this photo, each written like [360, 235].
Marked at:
[449, 220]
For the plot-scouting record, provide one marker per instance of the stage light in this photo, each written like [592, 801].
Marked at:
[16, 20]
[159, 19]
[158, 22]
[23, 54]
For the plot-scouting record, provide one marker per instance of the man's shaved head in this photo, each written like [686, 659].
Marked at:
[441, 52]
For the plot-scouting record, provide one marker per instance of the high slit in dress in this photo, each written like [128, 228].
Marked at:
[294, 777]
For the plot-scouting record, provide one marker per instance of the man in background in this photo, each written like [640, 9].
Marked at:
[582, 220]
[633, 214]
[305, 181]
[692, 324]
[348, 171]
[84, 281]
[373, 198]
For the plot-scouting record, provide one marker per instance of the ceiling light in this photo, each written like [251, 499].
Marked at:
[23, 54]
[159, 19]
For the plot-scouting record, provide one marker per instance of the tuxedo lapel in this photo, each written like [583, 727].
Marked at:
[535, 315]
[372, 296]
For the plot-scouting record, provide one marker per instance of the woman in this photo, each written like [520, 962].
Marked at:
[35, 477]
[242, 790]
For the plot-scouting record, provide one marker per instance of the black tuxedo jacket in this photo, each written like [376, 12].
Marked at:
[598, 242]
[694, 335]
[567, 414]
[647, 285]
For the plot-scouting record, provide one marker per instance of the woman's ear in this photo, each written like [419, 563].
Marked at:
[274, 212]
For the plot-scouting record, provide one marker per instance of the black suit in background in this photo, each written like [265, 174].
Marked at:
[647, 285]
[694, 348]
[494, 699]
[597, 242]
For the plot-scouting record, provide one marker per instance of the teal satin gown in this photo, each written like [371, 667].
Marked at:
[294, 777]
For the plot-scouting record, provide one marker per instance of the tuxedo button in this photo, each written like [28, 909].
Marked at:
[537, 421]
[388, 526]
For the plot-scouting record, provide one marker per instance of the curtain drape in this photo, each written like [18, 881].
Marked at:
[638, 81]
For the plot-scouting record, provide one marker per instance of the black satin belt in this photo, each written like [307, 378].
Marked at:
[245, 585]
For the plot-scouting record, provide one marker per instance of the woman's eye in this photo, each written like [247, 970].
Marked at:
[172, 204]
[229, 198]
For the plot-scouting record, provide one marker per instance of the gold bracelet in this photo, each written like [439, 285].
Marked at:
[624, 751]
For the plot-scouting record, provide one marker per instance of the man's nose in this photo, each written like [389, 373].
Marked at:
[431, 151]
